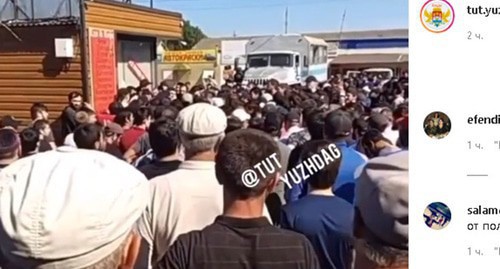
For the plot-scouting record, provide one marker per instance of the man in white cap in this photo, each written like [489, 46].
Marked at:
[381, 213]
[189, 198]
[70, 208]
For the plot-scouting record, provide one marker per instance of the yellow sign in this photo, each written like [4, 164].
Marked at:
[190, 56]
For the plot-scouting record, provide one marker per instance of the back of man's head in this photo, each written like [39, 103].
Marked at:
[381, 219]
[85, 205]
[240, 151]
[273, 122]
[164, 137]
[9, 144]
[142, 115]
[88, 136]
[338, 125]
[30, 139]
[315, 124]
[326, 157]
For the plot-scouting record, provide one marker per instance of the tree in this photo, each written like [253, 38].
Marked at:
[192, 34]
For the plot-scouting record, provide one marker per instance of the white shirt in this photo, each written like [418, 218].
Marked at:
[70, 141]
[392, 135]
[185, 200]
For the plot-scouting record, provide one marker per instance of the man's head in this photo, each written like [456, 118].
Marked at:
[312, 83]
[125, 118]
[315, 122]
[10, 146]
[338, 125]
[85, 115]
[142, 117]
[326, 153]
[90, 136]
[112, 133]
[240, 151]
[272, 86]
[233, 124]
[381, 217]
[30, 141]
[351, 96]
[164, 137]
[379, 121]
[75, 100]
[273, 122]
[43, 127]
[201, 128]
[293, 118]
[98, 200]
[39, 111]
[9, 121]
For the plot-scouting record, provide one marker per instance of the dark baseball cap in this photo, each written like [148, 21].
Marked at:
[9, 121]
[338, 123]
[379, 121]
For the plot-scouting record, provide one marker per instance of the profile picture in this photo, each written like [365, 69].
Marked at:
[437, 125]
[437, 216]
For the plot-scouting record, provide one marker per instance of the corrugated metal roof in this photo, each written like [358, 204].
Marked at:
[51, 22]
[370, 58]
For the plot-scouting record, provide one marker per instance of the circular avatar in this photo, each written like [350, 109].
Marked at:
[437, 125]
[437, 216]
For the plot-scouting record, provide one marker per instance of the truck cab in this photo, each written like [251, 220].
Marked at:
[284, 66]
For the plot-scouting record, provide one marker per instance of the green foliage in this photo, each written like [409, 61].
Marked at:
[192, 34]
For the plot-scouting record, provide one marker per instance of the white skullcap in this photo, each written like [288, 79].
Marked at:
[268, 97]
[241, 114]
[218, 102]
[202, 119]
[68, 208]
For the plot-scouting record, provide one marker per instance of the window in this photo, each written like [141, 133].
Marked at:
[306, 63]
[258, 60]
[281, 60]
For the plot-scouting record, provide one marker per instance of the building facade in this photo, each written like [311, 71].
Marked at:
[49, 50]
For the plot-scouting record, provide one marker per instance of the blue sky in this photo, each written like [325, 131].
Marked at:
[256, 17]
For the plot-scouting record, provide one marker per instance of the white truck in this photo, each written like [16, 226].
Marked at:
[289, 59]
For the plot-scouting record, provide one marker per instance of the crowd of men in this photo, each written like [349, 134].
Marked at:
[157, 183]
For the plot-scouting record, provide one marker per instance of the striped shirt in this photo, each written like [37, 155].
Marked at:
[231, 243]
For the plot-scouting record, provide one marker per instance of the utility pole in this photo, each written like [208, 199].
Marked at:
[342, 25]
[151, 2]
[286, 20]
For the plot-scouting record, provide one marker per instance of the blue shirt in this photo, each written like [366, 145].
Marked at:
[345, 183]
[327, 221]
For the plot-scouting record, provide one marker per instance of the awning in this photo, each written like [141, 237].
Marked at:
[181, 67]
[370, 58]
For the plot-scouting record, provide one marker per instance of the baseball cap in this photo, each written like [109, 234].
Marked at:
[338, 123]
[79, 206]
[9, 141]
[378, 121]
[382, 198]
[113, 128]
[9, 121]
[202, 119]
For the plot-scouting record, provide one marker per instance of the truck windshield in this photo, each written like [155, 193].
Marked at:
[258, 60]
[262, 60]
